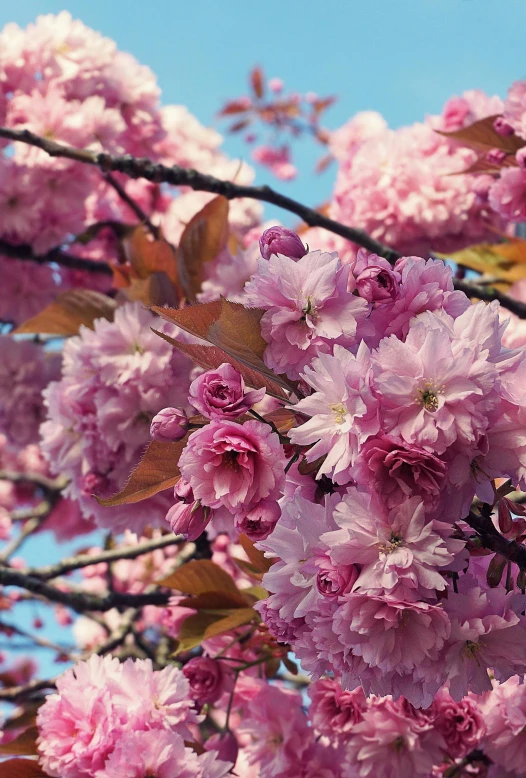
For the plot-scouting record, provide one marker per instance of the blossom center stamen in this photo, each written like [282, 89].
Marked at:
[427, 396]
[340, 412]
[395, 541]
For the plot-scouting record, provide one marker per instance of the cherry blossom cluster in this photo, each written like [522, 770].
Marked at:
[115, 378]
[67, 83]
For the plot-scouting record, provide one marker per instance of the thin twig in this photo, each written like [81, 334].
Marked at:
[114, 554]
[494, 541]
[29, 527]
[14, 693]
[137, 210]
[37, 479]
[26, 254]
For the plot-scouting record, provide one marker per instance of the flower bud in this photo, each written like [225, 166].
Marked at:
[333, 580]
[221, 393]
[169, 424]
[259, 522]
[94, 483]
[280, 240]
[187, 517]
[206, 679]
[377, 285]
[501, 126]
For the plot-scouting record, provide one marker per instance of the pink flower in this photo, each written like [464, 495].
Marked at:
[505, 717]
[515, 108]
[205, 677]
[220, 393]
[162, 754]
[376, 281]
[461, 724]
[308, 307]
[437, 387]
[334, 712]
[399, 470]
[387, 744]
[277, 160]
[280, 240]
[398, 551]
[169, 424]
[233, 465]
[507, 196]
[343, 410]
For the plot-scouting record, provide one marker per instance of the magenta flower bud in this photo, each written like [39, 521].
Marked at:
[501, 126]
[169, 424]
[333, 580]
[259, 522]
[221, 393]
[187, 517]
[520, 157]
[280, 240]
[496, 156]
[377, 284]
[94, 483]
[206, 679]
[225, 744]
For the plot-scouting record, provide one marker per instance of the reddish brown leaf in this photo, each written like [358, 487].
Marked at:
[147, 256]
[283, 419]
[323, 103]
[157, 470]
[257, 82]
[156, 289]
[22, 768]
[69, 311]
[204, 236]
[210, 357]
[23, 745]
[307, 468]
[215, 601]
[482, 136]
[236, 618]
[199, 577]
[238, 126]
[323, 163]
[257, 558]
[495, 570]
[232, 328]
[233, 107]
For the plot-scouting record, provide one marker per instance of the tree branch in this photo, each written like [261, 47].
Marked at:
[85, 560]
[80, 601]
[178, 176]
[14, 693]
[494, 541]
[26, 254]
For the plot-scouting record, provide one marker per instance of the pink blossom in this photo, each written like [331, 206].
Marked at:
[335, 712]
[275, 159]
[399, 470]
[260, 520]
[376, 281]
[505, 717]
[398, 551]
[507, 196]
[205, 677]
[221, 394]
[515, 108]
[437, 386]
[233, 465]
[386, 744]
[308, 307]
[343, 410]
[187, 517]
[461, 724]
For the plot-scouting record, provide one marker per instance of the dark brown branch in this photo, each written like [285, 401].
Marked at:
[137, 210]
[26, 254]
[178, 176]
[80, 601]
[85, 560]
[494, 541]
[15, 693]
[49, 485]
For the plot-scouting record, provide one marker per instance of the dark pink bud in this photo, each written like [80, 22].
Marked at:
[377, 284]
[259, 522]
[333, 580]
[280, 240]
[221, 393]
[501, 126]
[169, 424]
[94, 483]
[187, 517]
[206, 679]
[225, 744]
[496, 156]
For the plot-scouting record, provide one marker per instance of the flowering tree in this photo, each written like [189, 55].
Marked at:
[304, 450]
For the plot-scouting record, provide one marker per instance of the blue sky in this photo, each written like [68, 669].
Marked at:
[403, 58]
